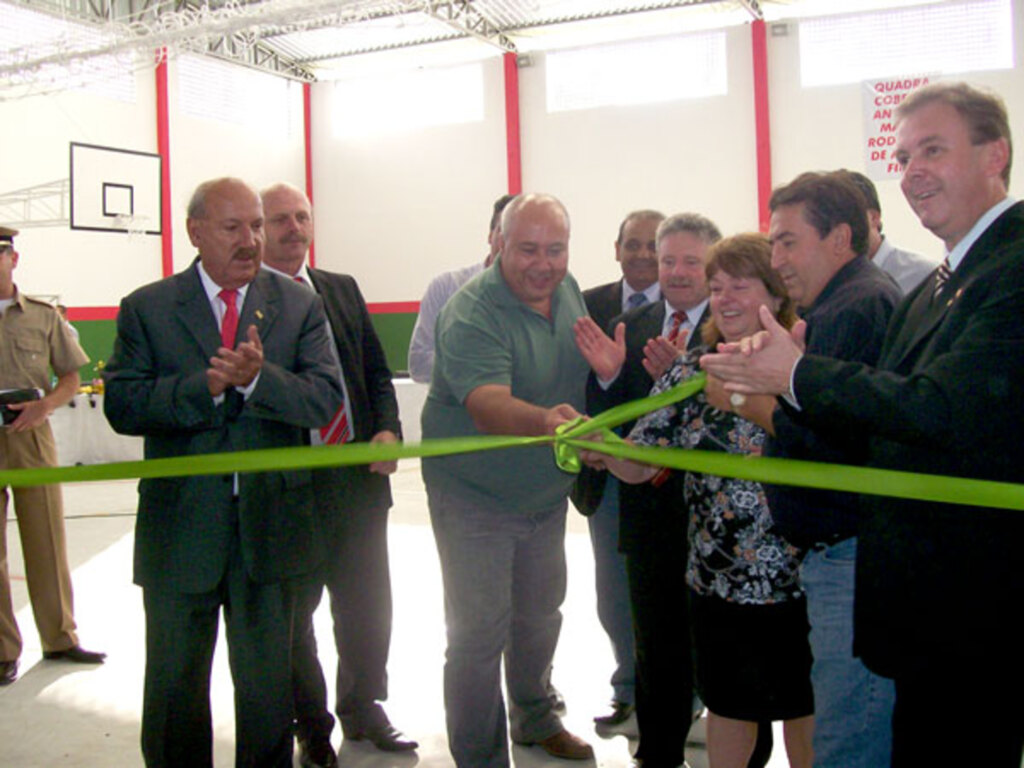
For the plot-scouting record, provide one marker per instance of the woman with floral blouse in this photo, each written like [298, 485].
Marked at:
[747, 613]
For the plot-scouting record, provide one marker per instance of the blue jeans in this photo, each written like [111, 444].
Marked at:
[852, 706]
[612, 587]
[504, 583]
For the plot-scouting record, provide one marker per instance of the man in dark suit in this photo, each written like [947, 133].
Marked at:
[938, 586]
[351, 510]
[203, 543]
[596, 493]
[652, 519]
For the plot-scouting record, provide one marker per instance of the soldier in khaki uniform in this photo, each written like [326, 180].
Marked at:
[33, 339]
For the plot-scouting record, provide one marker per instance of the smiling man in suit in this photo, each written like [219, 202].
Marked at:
[596, 493]
[351, 509]
[652, 520]
[938, 587]
[180, 378]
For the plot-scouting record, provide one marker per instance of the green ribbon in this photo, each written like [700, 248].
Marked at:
[567, 442]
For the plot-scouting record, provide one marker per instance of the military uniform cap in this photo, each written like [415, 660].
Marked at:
[7, 236]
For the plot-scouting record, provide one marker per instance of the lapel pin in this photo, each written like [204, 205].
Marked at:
[259, 314]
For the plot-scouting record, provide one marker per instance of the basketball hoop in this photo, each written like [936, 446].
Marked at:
[134, 226]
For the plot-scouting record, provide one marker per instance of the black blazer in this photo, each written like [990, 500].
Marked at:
[373, 405]
[642, 508]
[603, 303]
[936, 580]
[156, 387]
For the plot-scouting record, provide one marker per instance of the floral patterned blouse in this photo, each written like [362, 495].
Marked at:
[733, 553]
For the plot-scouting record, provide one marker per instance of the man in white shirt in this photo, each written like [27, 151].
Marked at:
[441, 288]
[908, 269]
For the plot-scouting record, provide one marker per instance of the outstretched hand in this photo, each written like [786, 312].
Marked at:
[660, 353]
[605, 356]
[762, 363]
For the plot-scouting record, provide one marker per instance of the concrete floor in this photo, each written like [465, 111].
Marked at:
[60, 714]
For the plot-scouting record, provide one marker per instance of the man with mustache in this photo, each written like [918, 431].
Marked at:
[939, 586]
[352, 506]
[221, 357]
[652, 521]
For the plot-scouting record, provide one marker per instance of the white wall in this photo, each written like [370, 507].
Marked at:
[204, 148]
[692, 155]
[822, 129]
[395, 210]
[82, 268]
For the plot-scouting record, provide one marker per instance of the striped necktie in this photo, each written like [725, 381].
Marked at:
[678, 318]
[942, 275]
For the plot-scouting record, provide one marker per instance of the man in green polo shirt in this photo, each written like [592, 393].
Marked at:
[506, 363]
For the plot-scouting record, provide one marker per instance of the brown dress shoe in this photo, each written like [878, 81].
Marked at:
[565, 746]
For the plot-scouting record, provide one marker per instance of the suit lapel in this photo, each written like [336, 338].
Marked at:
[195, 313]
[926, 314]
[920, 321]
[331, 306]
[262, 305]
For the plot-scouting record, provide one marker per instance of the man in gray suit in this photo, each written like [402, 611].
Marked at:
[596, 493]
[179, 377]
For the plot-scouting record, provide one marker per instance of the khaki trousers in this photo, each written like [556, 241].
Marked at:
[40, 516]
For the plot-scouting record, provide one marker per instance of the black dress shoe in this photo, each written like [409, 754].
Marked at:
[384, 737]
[316, 752]
[77, 654]
[8, 672]
[620, 713]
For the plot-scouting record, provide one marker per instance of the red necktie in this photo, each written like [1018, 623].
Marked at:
[677, 320]
[229, 325]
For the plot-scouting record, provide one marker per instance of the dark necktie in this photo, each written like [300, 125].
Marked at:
[636, 300]
[942, 276]
[229, 325]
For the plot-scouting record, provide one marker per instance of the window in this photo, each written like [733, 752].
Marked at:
[933, 39]
[647, 71]
[219, 90]
[408, 101]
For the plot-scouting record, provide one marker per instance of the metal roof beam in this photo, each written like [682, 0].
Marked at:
[42, 205]
[464, 17]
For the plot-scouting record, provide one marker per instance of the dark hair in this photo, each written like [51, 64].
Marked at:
[829, 199]
[984, 112]
[499, 206]
[642, 214]
[747, 255]
[866, 187]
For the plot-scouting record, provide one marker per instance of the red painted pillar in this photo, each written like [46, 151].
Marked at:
[163, 148]
[515, 164]
[307, 126]
[762, 126]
